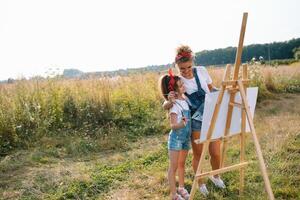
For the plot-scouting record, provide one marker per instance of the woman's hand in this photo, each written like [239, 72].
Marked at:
[171, 99]
[212, 88]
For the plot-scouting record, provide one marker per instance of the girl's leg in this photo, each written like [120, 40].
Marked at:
[215, 154]
[173, 157]
[181, 166]
[197, 151]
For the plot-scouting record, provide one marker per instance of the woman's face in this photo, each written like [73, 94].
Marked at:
[185, 69]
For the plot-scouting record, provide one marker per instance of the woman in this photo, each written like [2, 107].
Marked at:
[197, 83]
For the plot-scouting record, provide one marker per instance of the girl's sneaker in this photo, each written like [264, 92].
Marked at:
[218, 182]
[203, 190]
[177, 197]
[183, 192]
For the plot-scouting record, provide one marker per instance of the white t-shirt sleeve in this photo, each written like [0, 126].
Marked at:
[175, 109]
[204, 73]
[204, 78]
[208, 78]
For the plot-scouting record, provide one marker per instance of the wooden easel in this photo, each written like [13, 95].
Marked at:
[233, 86]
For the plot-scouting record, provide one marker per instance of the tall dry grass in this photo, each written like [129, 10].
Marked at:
[129, 105]
[270, 80]
[31, 109]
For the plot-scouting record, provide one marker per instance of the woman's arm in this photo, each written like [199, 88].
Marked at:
[173, 122]
[209, 82]
[212, 88]
[169, 103]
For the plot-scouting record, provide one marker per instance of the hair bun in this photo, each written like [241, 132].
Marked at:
[183, 54]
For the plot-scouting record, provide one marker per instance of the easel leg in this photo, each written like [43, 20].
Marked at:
[242, 159]
[227, 129]
[228, 119]
[256, 143]
[242, 137]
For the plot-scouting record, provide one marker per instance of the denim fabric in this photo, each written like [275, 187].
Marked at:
[180, 139]
[196, 100]
[196, 125]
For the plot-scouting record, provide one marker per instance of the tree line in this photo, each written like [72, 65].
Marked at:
[269, 51]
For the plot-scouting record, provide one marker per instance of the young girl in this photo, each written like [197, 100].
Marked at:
[179, 136]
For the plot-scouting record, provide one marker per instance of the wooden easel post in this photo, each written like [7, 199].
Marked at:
[262, 165]
[242, 136]
[233, 86]
[233, 90]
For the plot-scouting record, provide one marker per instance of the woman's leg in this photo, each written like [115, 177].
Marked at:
[181, 166]
[214, 151]
[197, 151]
[173, 157]
[215, 154]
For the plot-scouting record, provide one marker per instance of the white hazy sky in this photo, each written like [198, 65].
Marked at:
[96, 35]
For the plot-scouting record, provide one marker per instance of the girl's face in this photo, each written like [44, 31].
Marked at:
[185, 69]
[180, 87]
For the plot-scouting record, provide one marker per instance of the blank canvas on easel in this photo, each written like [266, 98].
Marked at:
[235, 127]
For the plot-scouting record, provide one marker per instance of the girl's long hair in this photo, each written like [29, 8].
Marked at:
[164, 85]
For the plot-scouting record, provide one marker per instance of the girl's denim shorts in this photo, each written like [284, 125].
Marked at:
[177, 144]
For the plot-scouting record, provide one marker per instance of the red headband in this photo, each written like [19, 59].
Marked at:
[183, 55]
[171, 81]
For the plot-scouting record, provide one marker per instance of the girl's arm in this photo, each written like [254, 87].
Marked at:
[173, 122]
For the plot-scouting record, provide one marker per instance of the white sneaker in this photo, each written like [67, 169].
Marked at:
[218, 182]
[203, 190]
[177, 197]
[183, 192]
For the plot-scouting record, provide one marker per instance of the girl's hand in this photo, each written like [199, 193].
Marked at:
[184, 121]
[177, 125]
[171, 96]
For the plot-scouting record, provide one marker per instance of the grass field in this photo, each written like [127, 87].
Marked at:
[99, 139]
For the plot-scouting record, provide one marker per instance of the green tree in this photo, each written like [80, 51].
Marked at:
[296, 53]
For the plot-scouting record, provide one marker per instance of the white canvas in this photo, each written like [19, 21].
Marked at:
[235, 128]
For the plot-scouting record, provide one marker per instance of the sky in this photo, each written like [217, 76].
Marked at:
[39, 36]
